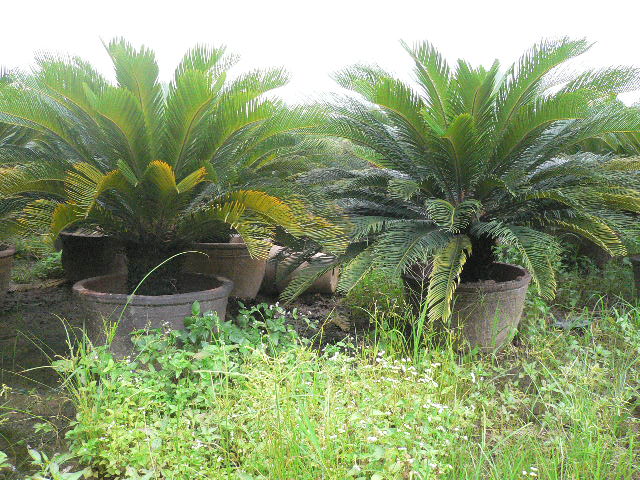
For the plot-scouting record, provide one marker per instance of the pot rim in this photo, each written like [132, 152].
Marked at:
[221, 246]
[83, 234]
[80, 289]
[488, 286]
[7, 251]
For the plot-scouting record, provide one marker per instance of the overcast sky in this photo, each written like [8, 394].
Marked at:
[314, 38]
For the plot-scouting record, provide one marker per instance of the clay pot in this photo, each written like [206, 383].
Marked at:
[486, 312]
[272, 285]
[598, 255]
[104, 298]
[230, 260]
[87, 255]
[635, 264]
[6, 262]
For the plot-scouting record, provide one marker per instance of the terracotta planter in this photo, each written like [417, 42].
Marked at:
[635, 263]
[271, 285]
[486, 312]
[103, 299]
[598, 255]
[229, 260]
[6, 262]
[87, 255]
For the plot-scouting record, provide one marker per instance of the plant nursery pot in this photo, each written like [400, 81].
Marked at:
[635, 263]
[87, 255]
[598, 255]
[6, 262]
[486, 312]
[229, 260]
[272, 285]
[104, 299]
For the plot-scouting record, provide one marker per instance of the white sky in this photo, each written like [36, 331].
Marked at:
[314, 38]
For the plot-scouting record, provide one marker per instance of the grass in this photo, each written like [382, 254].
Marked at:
[559, 404]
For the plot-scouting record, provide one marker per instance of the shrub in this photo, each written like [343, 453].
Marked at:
[473, 158]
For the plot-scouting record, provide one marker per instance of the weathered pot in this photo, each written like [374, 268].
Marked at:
[272, 285]
[599, 256]
[88, 255]
[6, 262]
[104, 300]
[487, 312]
[229, 260]
[635, 263]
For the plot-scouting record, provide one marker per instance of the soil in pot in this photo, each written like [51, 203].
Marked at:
[106, 303]
[485, 312]
[230, 260]
[6, 262]
[89, 254]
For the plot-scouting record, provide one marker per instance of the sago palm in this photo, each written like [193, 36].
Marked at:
[469, 156]
[12, 139]
[159, 166]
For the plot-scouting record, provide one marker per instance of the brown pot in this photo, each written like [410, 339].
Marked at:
[87, 255]
[229, 260]
[487, 312]
[104, 298]
[599, 256]
[635, 264]
[6, 262]
[272, 285]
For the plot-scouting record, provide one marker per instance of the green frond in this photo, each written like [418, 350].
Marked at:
[523, 80]
[433, 74]
[189, 99]
[161, 181]
[452, 218]
[137, 71]
[317, 266]
[539, 251]
[205, 59]
[447, 265]
[125, 126]
[594, 230]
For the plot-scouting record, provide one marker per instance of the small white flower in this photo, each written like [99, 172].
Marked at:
[372, 439]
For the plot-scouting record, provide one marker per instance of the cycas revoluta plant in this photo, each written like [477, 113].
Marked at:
[159, 166]
[475, 156]
[12, 138]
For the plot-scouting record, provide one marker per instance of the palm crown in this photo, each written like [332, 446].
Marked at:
[473, 157]
[158, 166]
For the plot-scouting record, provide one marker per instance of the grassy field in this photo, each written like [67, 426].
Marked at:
[259, 402]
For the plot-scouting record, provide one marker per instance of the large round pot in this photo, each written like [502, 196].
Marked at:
[88, 254]
[272, 284]
[599, 256]
[486, 312]
[6, 262]
[229, 260]
[635, 263]
[104, 300]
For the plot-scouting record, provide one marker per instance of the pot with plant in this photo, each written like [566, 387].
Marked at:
[6, 262]
[476, 157]
[87, 254]
[12, 138]
[151, 167]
